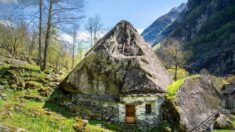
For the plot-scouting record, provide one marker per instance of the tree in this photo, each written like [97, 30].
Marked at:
[14, 38]
[75, 27]
[94, 27]
[40, 35]
[48, 33]
[64, 13]
[32, 47]
[174, 56]
[52, 14]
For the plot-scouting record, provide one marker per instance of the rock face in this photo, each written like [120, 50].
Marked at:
[207, 28]
[196, 105]
[152, 34]
[120, 63]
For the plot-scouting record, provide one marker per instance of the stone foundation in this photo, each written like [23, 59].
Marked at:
[114, 110]
[97, 107]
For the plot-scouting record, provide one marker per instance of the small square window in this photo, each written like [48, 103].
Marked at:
[148, 109]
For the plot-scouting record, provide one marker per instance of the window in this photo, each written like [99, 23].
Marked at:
[148, 109]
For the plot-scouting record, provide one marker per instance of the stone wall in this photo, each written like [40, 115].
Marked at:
[114, 110]
[140, 101]
[97, 107]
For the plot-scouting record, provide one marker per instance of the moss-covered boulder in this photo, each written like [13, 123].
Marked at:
[195, 103]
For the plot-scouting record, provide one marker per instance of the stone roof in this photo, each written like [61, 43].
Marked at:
[119, 63]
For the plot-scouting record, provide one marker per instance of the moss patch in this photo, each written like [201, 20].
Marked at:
[175, 86]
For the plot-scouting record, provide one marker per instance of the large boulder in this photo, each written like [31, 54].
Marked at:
[120, 63]
[196, 104]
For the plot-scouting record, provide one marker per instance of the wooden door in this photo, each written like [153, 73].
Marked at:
[130, 114]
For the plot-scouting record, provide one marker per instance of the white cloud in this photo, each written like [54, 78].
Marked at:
[140, 31]
[8, 1]
[66, 37]
[83, 36]
[5, 22]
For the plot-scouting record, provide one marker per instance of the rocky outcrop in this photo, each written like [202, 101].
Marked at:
[206, 28]
[120, 63]
[196, 105]
[152, 34]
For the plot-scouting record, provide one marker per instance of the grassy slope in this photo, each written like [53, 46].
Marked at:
[24, 108]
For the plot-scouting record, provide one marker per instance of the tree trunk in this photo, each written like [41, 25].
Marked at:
[74, 42]
[31, 47]
[48, 33]
[91, 38]
[176, 65]
[40, 36]
[176, 71]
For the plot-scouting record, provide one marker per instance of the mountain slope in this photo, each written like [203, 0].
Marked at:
[207, 28]
[152, 34]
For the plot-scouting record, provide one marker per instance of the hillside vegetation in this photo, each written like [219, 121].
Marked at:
[24, 89]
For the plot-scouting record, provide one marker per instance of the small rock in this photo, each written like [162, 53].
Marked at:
[21, 84]
[86, 122]
[4, 128]
[1, 87]
[223, 122]
[4, 95]
[167, 129]
[99, 125]
[20, 130]
[80, 125]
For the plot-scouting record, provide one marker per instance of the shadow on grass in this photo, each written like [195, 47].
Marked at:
[54, 105]
[111, 126]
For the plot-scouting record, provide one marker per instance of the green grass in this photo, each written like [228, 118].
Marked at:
[223, 130]
[32, 67]
[34, 118]
[113, 127]
[19, 112]
[175, 86]
[1, 104]
[93, 128]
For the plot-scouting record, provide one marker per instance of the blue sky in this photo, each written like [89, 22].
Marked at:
[141, 13]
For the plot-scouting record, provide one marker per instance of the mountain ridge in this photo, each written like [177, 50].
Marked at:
[152, 34]
[207, 29]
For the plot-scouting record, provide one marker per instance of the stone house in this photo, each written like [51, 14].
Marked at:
[141, 109]
[229, 96]
[119, 80]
